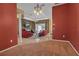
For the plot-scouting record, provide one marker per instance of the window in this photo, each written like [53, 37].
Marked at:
[40, 27]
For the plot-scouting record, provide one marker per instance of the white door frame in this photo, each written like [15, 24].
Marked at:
[20, 30]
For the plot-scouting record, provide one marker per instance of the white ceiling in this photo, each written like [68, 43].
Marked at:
[28, 10]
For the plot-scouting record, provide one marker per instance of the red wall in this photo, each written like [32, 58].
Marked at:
[59, 19]
[68, 23]
[8, 25]
[73, 28]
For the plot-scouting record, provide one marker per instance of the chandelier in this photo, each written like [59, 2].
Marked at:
[38, 9]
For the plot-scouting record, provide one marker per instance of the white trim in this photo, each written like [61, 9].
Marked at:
[8, 48]
[52, 40]
[42, 19]
[20, 30]
[60, 40]
[73, 47]
[35, 20]
[69, 43]
[58, 4]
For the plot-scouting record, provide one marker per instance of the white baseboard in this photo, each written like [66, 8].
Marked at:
[73, 47]
[60, 40]
[52, 40]
[69, 43]
[8, 48]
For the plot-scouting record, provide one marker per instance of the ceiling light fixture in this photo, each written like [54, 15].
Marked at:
[38, 9]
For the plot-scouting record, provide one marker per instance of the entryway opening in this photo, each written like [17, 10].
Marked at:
[34, 27]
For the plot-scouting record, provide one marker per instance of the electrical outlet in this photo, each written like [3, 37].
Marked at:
[11, 41]
[63, 36]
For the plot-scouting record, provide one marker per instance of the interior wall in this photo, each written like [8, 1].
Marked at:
[73, 26]
[8, 25]
[59, 21]
[66, 20]
[32, 24]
